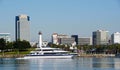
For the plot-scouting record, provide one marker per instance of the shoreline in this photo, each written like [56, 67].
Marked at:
[12, 56]
[96, 55]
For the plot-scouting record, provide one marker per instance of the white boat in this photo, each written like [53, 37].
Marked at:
[48, 52]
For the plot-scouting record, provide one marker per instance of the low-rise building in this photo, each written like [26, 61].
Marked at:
[85, 41]
[5, 36]
[67, 41]
[76, 38]
[115, 38]
[56, 38]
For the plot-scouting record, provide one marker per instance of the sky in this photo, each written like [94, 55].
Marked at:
[70, 17]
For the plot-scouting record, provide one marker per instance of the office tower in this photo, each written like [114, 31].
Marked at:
[115, 38]
[100, 37]
[22, 27]
[76, 38]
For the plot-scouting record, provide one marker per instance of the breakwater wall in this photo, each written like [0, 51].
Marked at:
[95, 55]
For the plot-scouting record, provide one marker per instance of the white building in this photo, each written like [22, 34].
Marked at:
[100, 37]
[85, 41]
[55, 38]
[63, 36]
[115, 38]
[68, 41]
[5, 36]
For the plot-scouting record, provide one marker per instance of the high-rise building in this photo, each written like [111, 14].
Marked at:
[115, 38]
[76, 38]
[22, 27]
[100, 37]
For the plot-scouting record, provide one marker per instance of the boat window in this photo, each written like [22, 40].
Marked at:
[50, 53]
[47, 50]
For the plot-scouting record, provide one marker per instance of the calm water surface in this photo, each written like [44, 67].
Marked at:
[80, 63]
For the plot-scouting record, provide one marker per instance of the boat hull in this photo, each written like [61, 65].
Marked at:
[48, 57]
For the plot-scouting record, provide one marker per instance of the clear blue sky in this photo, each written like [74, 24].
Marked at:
[80, 17]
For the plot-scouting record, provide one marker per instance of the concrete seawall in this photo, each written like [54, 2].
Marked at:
[96, 55]
[11, 56]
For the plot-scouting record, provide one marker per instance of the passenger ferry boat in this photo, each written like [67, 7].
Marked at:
[48, 52]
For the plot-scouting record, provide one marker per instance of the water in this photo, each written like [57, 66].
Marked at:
[80, 63]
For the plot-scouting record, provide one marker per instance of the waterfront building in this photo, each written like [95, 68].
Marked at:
[22, 27]
[5, 36]
[62, 36]
[100, 37]
[67, 41]
[76, 38]
[55, 38]
[115, 38]
[85, 41]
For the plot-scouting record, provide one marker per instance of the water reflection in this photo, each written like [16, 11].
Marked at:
[51, 64]
[61, 64]
[117, 63]
[103, 63]
[83, 63]
[22, 65]
[12, 64]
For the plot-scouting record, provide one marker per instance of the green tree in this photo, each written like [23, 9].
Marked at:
[2, 44]
[21, 45]
[9, 46]
[117, 48]
[26, 44]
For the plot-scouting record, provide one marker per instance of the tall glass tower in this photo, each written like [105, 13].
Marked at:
[22, 27]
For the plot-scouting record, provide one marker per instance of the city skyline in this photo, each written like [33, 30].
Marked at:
[80, 17]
